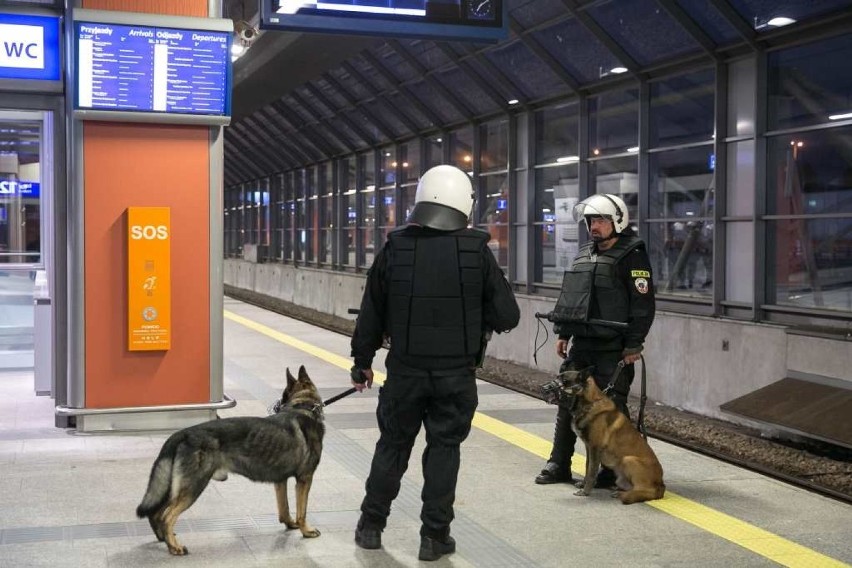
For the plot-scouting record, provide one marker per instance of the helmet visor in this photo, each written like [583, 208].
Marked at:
[592, 207]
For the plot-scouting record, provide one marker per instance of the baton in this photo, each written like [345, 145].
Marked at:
[557, 318]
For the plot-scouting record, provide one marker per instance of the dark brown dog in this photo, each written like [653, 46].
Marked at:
[270, 449]
[611, 440]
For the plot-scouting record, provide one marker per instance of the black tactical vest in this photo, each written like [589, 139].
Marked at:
[592, 289]
[435, 300]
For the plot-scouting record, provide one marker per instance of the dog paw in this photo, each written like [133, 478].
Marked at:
[580, 484]
[581, 493]
[290, 523]
[178, 550]
[310, 532]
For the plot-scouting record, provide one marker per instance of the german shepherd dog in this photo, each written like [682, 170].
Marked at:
[612, 440]
[271, 449]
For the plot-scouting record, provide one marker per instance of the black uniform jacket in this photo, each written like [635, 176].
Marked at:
[500, 313]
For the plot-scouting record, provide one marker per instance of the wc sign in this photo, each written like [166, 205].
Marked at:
[29, 47]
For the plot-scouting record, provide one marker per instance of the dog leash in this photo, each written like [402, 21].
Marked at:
[337, 397]
[643, 397]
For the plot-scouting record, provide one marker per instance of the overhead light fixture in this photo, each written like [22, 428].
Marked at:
[514, 101]
[618, 70]
[633, 149]
[843, 116]
[439, 140]
[779, 21]
[565, 159]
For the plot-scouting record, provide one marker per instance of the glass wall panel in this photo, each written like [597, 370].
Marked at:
[682, 109]
[494, 146]
[387, 219]
[494, 214]
[461, 148]
[682, 192]
[614, 122]
[301, 221]
[557, 190]
[290, 222]
[312, 212]
[617, 176]
[805, 86]
[556, 132]
[810, 172]
[406, 196]
[410, 162]
[367, 195]
[434, 152]
[387, 163]
[811, 263]
[326, 220]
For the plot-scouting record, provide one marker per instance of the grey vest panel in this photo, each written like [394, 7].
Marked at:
[436, 284]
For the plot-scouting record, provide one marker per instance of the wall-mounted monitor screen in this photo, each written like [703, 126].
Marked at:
[473, 20]
[151, 68]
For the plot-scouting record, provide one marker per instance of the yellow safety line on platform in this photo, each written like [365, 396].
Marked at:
[759, 541]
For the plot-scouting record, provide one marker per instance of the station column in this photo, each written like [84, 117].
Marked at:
[116, 169]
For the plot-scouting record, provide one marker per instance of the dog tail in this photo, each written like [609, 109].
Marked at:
[160, 480]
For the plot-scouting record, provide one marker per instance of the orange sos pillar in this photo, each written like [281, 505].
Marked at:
[121, 169]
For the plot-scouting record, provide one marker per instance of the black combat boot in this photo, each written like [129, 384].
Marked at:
[368, 537]
[553, 473]
[432, 548]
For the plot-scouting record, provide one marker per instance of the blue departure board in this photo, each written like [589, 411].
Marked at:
[152, 69]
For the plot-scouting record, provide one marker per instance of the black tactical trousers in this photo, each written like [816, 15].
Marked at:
[605, 363]
[445, 406]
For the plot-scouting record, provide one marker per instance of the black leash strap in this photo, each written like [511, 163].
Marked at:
[643, 396]
[614, 377]
[337, 397]
[640, 420]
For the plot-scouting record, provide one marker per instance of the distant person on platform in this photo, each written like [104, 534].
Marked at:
[436, 291]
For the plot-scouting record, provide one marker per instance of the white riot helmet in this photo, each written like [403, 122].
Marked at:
[444, 199]
[605, 205]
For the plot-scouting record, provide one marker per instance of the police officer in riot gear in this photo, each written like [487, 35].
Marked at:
[436, 291]
[609, 281]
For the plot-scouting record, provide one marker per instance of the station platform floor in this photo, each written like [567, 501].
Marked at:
[69, 499]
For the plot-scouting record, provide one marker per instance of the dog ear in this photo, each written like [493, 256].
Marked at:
[303, 374]
[291, 380]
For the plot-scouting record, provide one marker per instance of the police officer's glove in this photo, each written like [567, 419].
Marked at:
[358, 376]
[631, 354]
[361, 378]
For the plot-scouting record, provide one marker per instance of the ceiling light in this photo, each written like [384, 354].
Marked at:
[514, 101]
[779, 21]
[633, 149]
[618, 70]
[564, 159]
[843, 116]
[439, 140]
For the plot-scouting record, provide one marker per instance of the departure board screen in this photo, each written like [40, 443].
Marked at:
[475, 20]
[152, 69]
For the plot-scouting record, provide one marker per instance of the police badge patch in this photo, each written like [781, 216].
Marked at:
[641, 285]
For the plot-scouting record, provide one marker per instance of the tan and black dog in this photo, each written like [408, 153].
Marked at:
[612, 441]
[271, 449]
